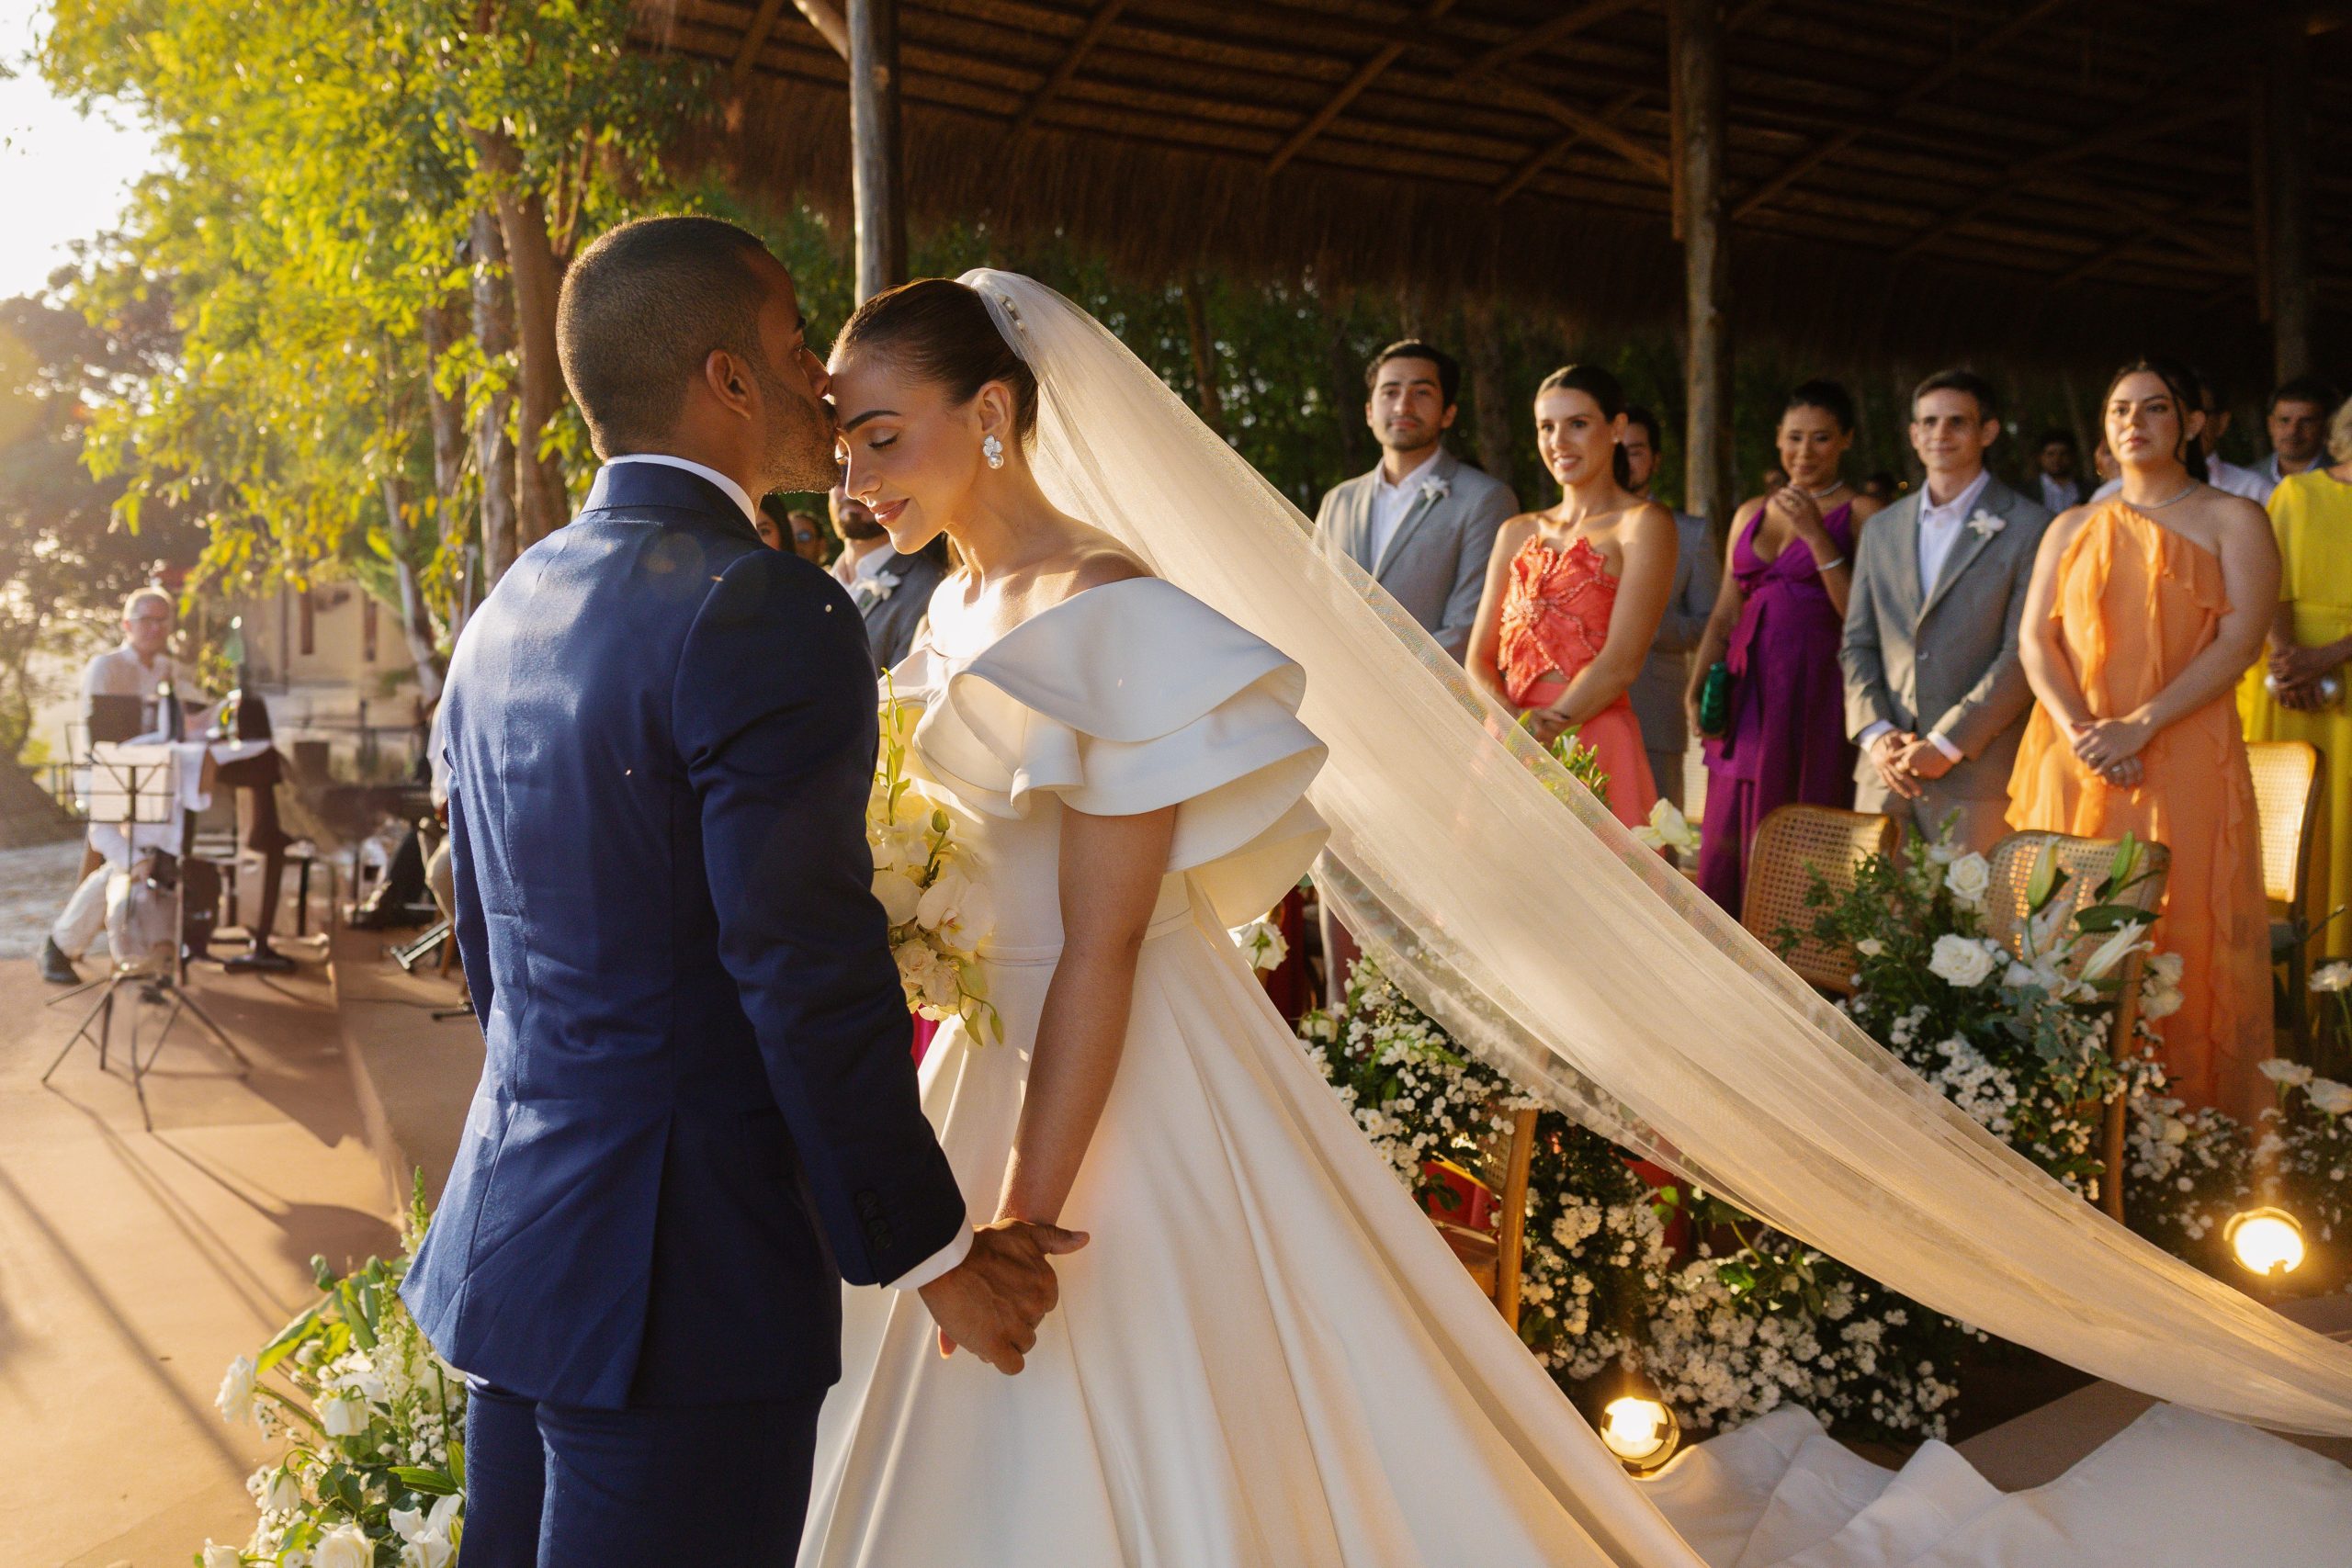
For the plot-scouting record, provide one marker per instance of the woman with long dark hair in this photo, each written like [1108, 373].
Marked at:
[1776, 628]
[2146, 610]
[1574, 594]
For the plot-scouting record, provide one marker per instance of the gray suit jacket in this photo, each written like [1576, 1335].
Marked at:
[1666, 675]
[1436, 564]
[892, 619]
[1945, 663]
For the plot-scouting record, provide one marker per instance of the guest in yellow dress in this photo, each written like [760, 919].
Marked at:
[2311, 638]
[2145, 610]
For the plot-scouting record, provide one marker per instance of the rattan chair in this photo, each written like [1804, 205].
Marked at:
[1791, 844]
[1495, 1258]
[2088, 863]
[2289, 781]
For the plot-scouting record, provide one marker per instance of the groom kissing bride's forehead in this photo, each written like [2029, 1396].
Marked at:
[698, 1113]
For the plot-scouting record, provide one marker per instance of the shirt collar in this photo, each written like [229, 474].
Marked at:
[1958, 507]
[874, 562]
[732, 490]
[1418, 473]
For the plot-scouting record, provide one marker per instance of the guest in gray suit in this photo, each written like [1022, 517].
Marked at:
[1422, 522]
[1934, 694]
[1657, 690]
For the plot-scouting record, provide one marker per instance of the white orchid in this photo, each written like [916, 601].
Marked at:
[959, 909]
[900, 894]
[424, 1537]
[1986, 523]
[2336, 976]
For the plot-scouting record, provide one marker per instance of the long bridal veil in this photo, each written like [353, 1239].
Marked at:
[1550, 941]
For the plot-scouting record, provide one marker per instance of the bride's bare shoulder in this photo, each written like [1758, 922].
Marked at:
[1096, 561]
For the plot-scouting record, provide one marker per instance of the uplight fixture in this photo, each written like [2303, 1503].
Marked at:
[2267, 1242]
[1640, 1430]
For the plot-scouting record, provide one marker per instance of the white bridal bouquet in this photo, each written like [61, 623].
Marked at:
[940, 912]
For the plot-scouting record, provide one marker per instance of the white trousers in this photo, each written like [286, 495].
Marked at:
[102, 902]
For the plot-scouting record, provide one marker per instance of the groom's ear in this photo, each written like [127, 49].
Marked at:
[727, 379]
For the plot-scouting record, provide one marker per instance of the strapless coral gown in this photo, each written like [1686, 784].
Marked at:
[1554, 620]
[2136, 603]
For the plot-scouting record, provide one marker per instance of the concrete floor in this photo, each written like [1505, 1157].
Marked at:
[135, 1264]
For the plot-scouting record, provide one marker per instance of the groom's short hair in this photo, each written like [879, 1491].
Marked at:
[641, 310]
[1988, 404]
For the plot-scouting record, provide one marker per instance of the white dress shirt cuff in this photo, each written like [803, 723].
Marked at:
[1869, 736]
[1951, 751]
[938, 1263]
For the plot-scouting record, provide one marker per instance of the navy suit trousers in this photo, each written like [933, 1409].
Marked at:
[558, 1486]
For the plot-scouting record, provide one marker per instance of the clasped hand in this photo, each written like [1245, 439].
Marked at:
[2298, 672]
[1906, 761]
[1547, 725]
[2110, 748]
[992, 1301]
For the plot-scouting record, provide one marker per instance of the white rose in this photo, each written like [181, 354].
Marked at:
[343, 1416]
[236, 1399]
[899, 896]
[222, 1556]
[2176, 1131]
[1871, 947]
[345, 1548]
[285, 1494]
[2334, 1098]
[2161, 1003]
[2278, 1069]
[1969, 877]
[2166, 969]
[1958, 961]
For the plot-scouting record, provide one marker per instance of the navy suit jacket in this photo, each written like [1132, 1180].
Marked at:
[697, 1111]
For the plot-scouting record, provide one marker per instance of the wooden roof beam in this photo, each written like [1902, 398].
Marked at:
[2133, 125]
[1594, 128]
[1564, 26]
[1096, 25]
[1520, 176]
[825, 16]
[755, 39]
[1366, 75]
[1984, 48]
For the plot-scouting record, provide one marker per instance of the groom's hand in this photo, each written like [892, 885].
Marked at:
[992, 1301]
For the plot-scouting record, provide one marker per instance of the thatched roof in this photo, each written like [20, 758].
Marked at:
[2027, 179]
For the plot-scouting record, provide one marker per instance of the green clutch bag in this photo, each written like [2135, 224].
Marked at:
[1714, 701]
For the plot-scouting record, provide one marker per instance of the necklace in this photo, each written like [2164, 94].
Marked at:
[1823, 494]
[2160, 505]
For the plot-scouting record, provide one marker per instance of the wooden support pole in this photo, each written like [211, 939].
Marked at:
[877, 177]
[1696, 30]
[2285, 202]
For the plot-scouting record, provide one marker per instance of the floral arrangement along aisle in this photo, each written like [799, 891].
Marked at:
[374, 1470]
[1752, 1320]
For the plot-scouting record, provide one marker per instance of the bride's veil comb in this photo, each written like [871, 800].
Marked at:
[1549, 941]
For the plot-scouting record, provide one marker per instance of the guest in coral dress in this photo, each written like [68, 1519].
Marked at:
[1778, 620]
[1574, 595]
[2145, 610]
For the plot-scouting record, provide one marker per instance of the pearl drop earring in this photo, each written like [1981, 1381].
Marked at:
[993, 450]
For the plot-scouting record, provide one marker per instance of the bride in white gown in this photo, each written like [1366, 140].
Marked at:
[1266, 1355]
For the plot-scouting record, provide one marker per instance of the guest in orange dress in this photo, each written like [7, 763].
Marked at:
[2145, 609]
[1574, 595]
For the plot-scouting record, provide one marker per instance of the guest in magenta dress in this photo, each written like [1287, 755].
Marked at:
[1776, 625]
[1574, 595]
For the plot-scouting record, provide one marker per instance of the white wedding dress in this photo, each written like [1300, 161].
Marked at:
[1266, 1358]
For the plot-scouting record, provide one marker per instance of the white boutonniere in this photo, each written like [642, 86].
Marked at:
[872, 590]
[1984, 525]
[1435, 489]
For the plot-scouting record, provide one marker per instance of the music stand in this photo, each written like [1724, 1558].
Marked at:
[136, 787]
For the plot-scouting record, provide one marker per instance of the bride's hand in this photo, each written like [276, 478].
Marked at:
[992, 1301]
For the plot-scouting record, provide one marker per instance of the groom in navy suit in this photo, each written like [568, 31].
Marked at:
[697, 1113]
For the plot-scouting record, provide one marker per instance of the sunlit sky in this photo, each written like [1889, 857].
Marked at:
[63, 177]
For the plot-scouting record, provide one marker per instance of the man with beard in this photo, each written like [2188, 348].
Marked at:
[892, 591]
[1422, 523]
